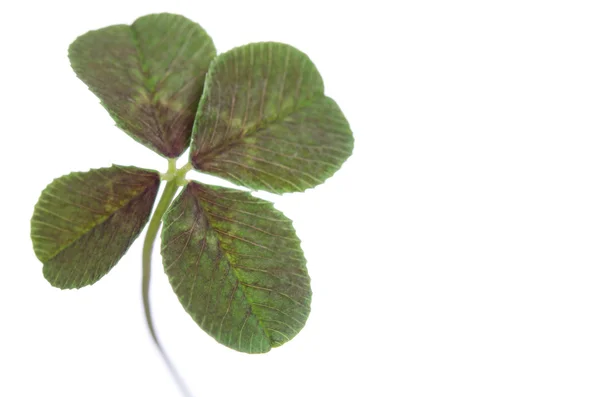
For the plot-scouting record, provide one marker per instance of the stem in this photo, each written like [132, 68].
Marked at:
[163, 204]
[181, 173]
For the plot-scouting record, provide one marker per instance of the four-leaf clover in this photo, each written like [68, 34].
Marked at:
[256, 116]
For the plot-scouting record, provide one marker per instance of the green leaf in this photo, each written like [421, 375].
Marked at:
[237, 267]
[149, 76]
[84, 222]
[265, 123]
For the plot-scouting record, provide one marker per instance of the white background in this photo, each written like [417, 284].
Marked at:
[455, 254]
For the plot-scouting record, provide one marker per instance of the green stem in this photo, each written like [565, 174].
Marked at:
[163, 204]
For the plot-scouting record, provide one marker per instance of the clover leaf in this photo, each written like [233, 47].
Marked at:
[236, 265]
[149, 76]
[257, 116]
[84, 222]
[265, 123]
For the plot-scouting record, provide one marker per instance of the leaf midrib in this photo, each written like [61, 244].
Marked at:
[101, 221]
[226, 145]
[231, 267]
[150, 90]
